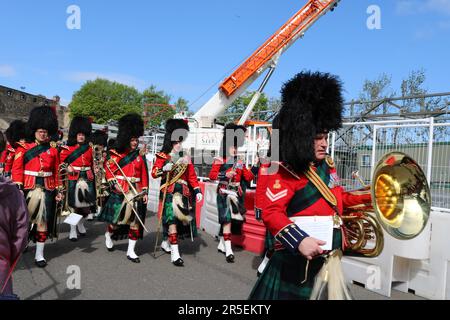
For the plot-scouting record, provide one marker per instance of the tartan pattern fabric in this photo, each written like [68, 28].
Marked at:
[49, 213]
[223, 210]
[41, 236]
[133, 234]
[308, 195]
[283, 276]
[77, 153]
[169, 218]
[269, 242]
[173, 238]
[34, 152]
[111, 210]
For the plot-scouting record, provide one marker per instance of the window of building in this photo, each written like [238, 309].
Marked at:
[9, 93]
[22, 97]
[365, 160]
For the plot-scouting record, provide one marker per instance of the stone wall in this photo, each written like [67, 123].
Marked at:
[16, 104]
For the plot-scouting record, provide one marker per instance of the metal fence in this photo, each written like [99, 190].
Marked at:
[358, 147]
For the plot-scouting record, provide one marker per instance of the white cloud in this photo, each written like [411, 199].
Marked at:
[7, 71]
[118, 77]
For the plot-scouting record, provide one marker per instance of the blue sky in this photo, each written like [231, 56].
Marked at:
[186, 47]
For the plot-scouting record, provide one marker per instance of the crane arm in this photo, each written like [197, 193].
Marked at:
[265, 56]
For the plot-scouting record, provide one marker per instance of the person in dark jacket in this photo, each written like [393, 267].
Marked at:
[13, 226]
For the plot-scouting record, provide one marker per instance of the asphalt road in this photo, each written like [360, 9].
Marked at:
[109, 275]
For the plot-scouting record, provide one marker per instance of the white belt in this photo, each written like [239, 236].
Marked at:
[82, 168]
[38, 173]
[131, 179]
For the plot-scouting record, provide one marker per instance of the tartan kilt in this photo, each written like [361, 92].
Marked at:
[225, 215]
[72, 185]
[110, 213]
[50, 213]
[169, 218]
[269, 242]
[283, 276]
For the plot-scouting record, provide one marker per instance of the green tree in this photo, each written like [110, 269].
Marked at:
[237, 108]
[104, 100]
[157, 106]
[182, 106]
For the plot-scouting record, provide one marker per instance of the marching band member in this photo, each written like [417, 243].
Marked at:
[35, 171]
[172, 163]
[99, 140]
[304, 183]
[264, 165]
[126, 171]
[15, 133]
[230, 172]
[78, 157]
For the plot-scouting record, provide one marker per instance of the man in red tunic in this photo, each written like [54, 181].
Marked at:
[35, 171]
[173, 163]
[77, 155]
[303, 184]
[126, 170]
[15, 133]
[231, 172]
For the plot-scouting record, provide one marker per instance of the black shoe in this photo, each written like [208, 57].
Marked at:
[82, 234]
[168, 252]
[135, 260]
[41, 264]
[230, 258]
[73, 239]
[220, 251]
[110, 249]
[179, 262]
[258, 274]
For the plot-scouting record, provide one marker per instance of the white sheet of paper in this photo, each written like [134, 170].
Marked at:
[73, 219]
[319, 227]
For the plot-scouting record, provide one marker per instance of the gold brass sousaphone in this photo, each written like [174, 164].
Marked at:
[401, 204]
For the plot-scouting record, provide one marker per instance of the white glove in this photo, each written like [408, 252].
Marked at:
[168, 167]
[199, 197]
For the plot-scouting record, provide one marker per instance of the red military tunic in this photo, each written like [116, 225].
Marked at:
[135, 171]
[242, 173]
[189, 176]
[44, 165]
[279, 190]
[3, 155]
[85, 162]
[9, 158]
[261, 186]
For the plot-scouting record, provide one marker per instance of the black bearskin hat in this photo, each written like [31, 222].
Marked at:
[42, 118]
[79, 125]
[232, 130]
[99, 137]
[176, 130]
[311, 103]
[111, 144]
[16, 131]
[130, 126]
